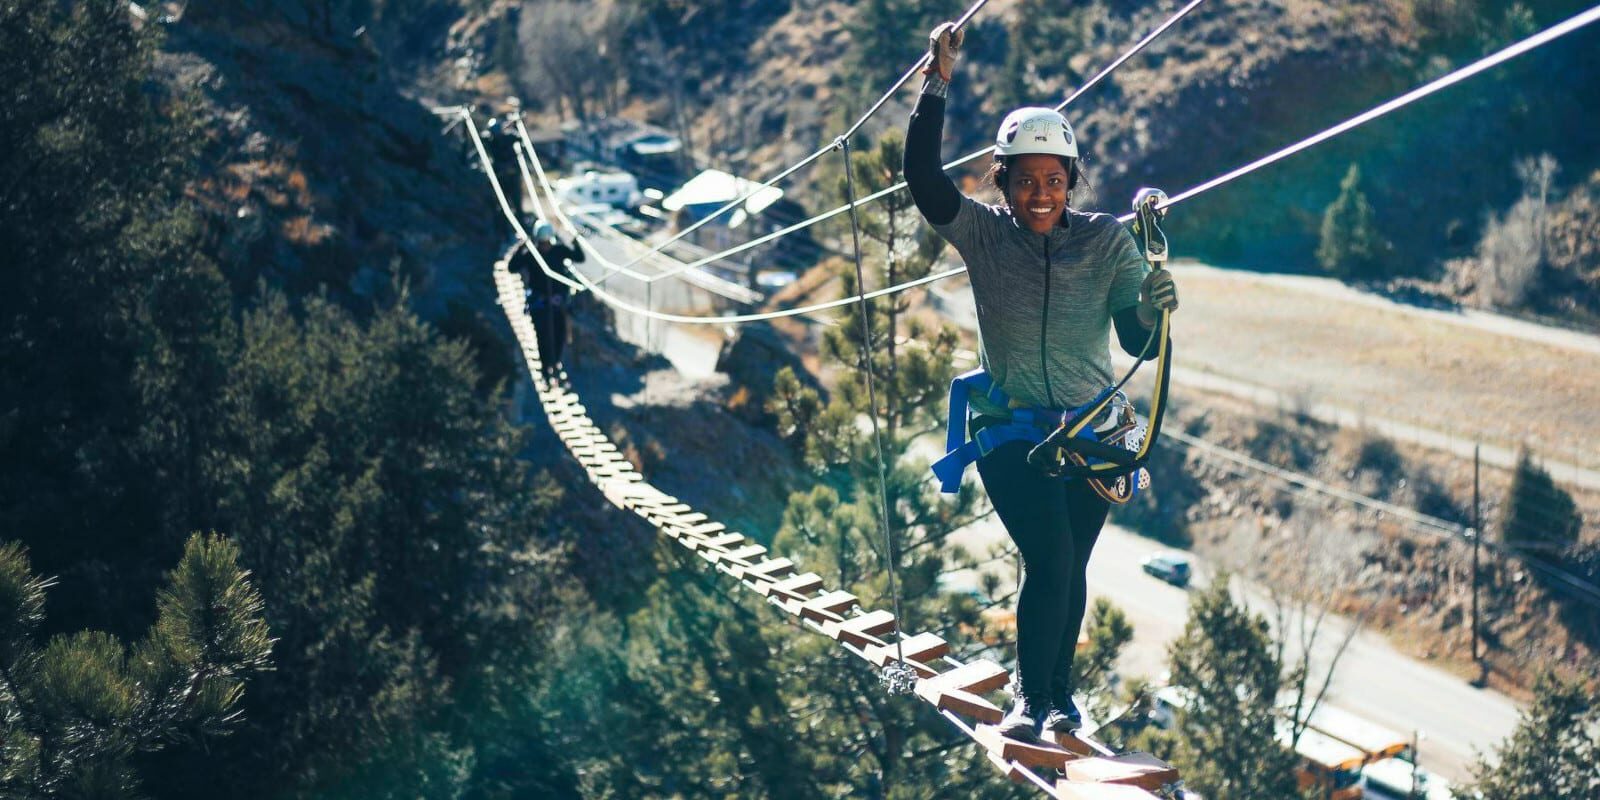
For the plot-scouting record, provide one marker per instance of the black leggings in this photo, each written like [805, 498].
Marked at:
[1055, 524]
[550, 322]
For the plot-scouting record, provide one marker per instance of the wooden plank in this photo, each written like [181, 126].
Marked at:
[1042, 754]
[975, 676]
[968, 704]
[830, 606]
[863, 630]
[749, 552]
[739, 554]
[1072, 744]
[723, 541]
[1131, 769]
[654, 499]
[796, 587]
[922, 647]
[703, 529]
[1074, 790]
[767, 570]
[625, 495]
[672, 509]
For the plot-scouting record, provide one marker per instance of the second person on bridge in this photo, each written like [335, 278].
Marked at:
[547, 297]
[1050, 282]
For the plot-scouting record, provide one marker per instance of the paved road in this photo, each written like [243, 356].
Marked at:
[1373, 680]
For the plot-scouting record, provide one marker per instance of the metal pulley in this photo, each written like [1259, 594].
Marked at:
[899, 678]
[1149, 209]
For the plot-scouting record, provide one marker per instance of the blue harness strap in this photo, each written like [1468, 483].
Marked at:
[1032, 425]
[536, 302]
[961, 452]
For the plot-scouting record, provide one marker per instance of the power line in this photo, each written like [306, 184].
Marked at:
[1301, 483]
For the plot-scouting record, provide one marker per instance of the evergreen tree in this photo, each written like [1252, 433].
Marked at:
[380, 502]
[1349, 244]
[836, 529]
[74, 712]
[881, 30]
[1225, 740]
[113, 331]
[1539, 518]
[1553, 752]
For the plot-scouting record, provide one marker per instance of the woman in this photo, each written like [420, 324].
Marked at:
[547, 297]
[1049, 282]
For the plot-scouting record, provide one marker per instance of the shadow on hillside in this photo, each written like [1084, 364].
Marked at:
[679, 435]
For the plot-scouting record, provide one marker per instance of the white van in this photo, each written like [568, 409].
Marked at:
[615, 189]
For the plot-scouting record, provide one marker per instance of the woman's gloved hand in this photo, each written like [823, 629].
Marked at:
[944, 42]
[1158, 292]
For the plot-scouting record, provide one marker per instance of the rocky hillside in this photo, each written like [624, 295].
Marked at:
[323, 170]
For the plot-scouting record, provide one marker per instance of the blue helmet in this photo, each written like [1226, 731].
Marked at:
[543, 232]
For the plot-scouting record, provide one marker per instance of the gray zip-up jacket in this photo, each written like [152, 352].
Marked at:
[1045, 303]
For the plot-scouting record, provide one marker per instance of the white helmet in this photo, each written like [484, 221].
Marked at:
[1035, 129]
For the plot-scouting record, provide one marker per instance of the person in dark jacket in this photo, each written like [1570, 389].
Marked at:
[501, 143]
[1049, 282]
[547, 296]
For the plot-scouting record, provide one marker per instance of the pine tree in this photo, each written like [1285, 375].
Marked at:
[1539, 518]
[380, 501]
[1553, 751]
[112, 321]
[881, 28]
[836, 527]
[1225, 741]
[77, 710]
[1349, 244]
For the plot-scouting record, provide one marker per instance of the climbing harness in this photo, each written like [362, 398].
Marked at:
[1103, 441]
[537, 302]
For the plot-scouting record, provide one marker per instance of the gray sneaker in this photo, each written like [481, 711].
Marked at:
[1022, 721]
[1064, 716]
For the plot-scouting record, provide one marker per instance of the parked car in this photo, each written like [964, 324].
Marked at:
[1170, 567]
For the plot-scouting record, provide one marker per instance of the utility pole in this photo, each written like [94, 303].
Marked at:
[1477, 538]
[1416, 780]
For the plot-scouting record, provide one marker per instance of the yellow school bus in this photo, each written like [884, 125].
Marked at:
[1328, 766]
[1371, 738]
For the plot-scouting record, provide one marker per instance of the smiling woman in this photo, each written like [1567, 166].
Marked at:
[1049, 282]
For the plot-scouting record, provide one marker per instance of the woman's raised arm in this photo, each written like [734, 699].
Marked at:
[935, 194]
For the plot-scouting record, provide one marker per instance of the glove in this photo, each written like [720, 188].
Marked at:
[1158, 292]
[944, 42]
